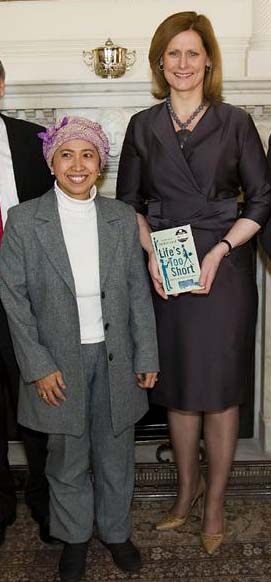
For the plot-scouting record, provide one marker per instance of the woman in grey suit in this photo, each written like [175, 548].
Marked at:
[74, 285]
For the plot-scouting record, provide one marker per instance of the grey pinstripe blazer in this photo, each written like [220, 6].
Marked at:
[38, 293]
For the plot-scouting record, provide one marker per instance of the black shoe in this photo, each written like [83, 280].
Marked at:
[4, 525]
[126, 556]
[72, 563]
[45, 536]
[44, 530]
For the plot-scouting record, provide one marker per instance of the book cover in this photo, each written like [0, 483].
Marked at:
[177, 259]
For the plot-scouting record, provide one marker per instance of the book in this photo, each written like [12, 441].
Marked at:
[177, 259]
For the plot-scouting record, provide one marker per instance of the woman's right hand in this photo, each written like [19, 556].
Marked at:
[155, 275]
[50, 388]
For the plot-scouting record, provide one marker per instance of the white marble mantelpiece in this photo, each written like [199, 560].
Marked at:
[120, 93]
[112, 102]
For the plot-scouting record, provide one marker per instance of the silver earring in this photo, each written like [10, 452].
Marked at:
[207, 68]
[161, 65]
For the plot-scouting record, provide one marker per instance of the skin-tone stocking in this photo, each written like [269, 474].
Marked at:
[220, 435]
[185, 429]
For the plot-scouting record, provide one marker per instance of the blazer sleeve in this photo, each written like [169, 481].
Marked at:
[34, 359]
[255, 176]
[129, 180]
[141, 317]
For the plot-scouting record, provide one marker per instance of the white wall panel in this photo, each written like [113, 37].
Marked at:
[44, 40]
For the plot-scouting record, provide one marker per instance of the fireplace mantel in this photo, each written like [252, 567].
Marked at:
[116, 92]
[112, 102]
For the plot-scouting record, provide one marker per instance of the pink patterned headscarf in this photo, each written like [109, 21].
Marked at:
[70, 128]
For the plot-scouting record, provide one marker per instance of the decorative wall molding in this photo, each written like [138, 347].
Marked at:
[261, 35]
[259, 53]
[62, 59]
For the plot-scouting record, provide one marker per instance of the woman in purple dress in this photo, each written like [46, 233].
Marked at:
[184, 161]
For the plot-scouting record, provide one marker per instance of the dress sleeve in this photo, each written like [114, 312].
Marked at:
[255, 176]
[129, 181]
[265, 234]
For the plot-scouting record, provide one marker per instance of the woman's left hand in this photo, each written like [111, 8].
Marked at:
[50, 388]
[209, 267]
[146, 379]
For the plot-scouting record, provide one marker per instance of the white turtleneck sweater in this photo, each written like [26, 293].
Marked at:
[79, 225]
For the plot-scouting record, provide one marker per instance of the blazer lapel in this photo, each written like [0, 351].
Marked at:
[108, 234]
[50, 235]
[164, 131]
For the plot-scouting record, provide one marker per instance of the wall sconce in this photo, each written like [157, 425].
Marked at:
[110, 60]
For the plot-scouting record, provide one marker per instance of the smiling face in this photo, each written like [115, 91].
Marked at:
[76, 165]
[184, 62]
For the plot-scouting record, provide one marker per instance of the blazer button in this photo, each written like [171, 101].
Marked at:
[110, 357]
[102, 294]
[106, 326]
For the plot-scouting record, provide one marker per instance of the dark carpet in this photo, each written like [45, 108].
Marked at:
[177, 555]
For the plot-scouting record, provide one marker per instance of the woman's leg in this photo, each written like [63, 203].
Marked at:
[113, 461]
[185, 430]
[71, 490]
[220, 435]
[68, 473]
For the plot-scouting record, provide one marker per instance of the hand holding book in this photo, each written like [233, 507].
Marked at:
[155, 275]
[177, 260]
[209, 267]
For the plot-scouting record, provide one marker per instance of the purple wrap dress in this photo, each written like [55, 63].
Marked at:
[206, 342]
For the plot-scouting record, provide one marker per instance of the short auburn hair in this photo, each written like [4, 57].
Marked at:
[170, 27]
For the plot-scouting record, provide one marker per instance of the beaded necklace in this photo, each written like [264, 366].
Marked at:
[183, 125]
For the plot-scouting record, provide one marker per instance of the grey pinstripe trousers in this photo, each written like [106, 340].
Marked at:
[74, 498]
